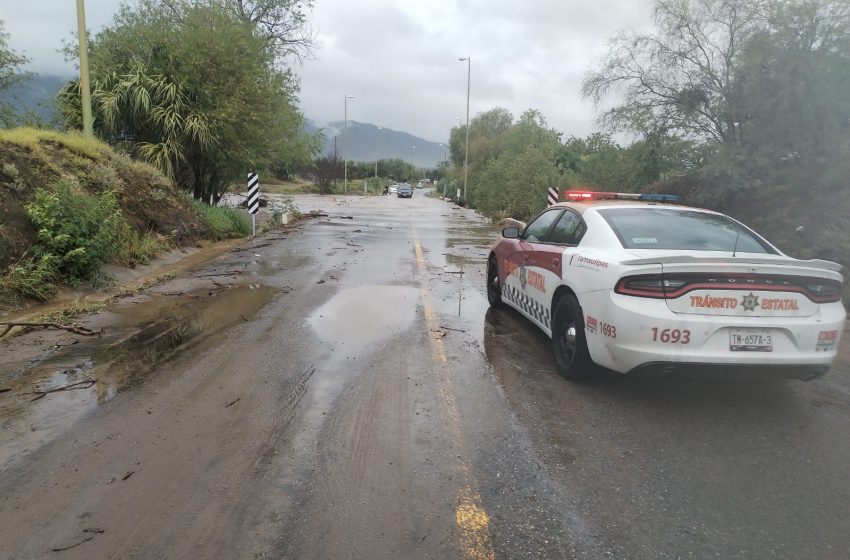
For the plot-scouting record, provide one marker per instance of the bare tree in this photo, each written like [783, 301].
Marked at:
[284, 23]
[681, 78]
[324, 171]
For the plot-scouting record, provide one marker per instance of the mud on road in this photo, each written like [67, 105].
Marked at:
[341, 390]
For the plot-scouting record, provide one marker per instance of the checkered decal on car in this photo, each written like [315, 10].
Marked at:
[528, 305]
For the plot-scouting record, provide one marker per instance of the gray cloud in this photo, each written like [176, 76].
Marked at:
[400, 57]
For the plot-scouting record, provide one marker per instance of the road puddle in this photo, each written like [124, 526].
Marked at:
[363, 315]
[46, 401]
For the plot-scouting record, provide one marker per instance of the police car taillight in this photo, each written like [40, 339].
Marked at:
[587, 196]
[818, 290]
[648, 285]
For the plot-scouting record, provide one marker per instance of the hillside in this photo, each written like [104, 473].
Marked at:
[368, 142]
[69, 204]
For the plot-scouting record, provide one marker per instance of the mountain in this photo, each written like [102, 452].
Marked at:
[368, 142]
[35, 95]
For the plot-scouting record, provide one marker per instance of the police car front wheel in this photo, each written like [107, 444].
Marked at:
[494, 287]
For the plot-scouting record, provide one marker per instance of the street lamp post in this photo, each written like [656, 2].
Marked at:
[468, 61]
[345, 146]
[376, 151]
[85, 90]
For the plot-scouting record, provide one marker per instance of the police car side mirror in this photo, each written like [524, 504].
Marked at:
[510, 232]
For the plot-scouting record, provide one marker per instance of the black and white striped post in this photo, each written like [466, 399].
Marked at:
[253, 199]
[553, 196]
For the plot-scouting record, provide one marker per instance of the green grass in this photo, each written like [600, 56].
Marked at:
[31, 138]
[31, 278]
[224, 222]
[133, 248]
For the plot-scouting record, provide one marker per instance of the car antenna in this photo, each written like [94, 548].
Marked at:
[735, 248]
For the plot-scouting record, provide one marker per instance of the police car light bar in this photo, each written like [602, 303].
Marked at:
[583, 196]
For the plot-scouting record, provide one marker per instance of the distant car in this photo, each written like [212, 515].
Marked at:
[393, 189]
[624, 282]
[405, 191]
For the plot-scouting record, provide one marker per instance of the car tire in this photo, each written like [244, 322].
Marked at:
[494, 288]
[569, 345]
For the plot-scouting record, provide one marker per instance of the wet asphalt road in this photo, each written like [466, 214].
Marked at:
[361, 401]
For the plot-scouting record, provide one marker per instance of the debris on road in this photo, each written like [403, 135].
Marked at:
[128, 475]
[74, 328]
[320, 282]
[451, 329]
[231, 403]
[85, 384]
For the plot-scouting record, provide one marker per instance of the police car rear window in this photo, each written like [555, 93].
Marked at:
[688, 230]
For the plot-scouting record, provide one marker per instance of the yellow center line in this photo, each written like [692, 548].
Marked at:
[470, 516]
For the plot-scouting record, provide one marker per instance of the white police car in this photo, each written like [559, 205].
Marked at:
[627, 282]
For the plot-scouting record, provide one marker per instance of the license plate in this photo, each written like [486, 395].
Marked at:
[750, 340]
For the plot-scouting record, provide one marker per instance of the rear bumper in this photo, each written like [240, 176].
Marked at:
[803, 372]
[639, 322]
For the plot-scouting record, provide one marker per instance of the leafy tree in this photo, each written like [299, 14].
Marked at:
[10, 74]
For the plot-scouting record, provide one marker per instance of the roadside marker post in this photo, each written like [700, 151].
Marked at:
[253, 200]
[553, 196]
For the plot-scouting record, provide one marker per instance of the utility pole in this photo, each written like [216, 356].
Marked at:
[468, 60]
[345, 146]
[85, 90]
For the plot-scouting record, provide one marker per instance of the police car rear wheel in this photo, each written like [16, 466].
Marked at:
[568, 343]
[494, 288]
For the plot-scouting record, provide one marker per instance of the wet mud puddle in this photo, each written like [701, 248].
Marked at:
[49, 398]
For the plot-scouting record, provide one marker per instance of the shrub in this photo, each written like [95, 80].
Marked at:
[77, 228]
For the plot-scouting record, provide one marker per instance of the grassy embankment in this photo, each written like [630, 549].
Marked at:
[70, 204]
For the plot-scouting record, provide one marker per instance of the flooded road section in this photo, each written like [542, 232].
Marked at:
[342, 390]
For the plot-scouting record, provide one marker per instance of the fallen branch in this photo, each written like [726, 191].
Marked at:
[128, 475]
[231, 403]
[76, 329]
[5, 390]
[85, 384]
[61, 549]
[451, 329]
[453, 271]
[228, 273]
[94, 531]
[350, 244]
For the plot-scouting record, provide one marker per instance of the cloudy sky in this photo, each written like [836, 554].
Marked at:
[400, 57]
